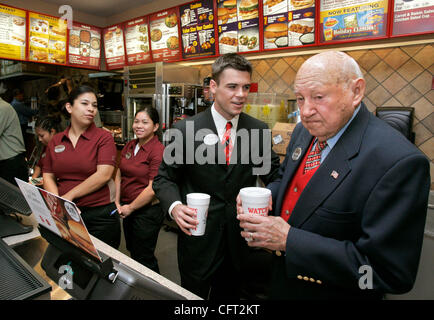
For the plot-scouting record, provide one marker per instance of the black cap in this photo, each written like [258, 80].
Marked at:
[206, 81]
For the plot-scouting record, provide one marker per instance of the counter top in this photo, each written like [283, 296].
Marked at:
[18, 240]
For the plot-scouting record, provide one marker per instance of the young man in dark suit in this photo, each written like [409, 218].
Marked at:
[349, 215]
[218, 152]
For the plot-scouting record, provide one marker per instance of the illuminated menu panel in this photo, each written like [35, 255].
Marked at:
[164, 35]
[85, 46]
[288, 23]
[137, 41]
[352, 20]
[12, 33]
[197, 28]
[238, 25]
[47, 38]
[114, 47]
[413, 16]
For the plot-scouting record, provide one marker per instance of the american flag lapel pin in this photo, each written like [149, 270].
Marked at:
[334, 174]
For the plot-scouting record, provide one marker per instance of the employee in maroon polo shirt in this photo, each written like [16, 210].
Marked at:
[79, 166]
[45, 129]
[139, 163]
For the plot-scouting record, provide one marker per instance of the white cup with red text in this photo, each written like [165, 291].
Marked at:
[199, 202]
[255, 200]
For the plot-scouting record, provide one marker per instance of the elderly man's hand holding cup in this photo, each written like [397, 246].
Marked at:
[254, 201]
[260, 230]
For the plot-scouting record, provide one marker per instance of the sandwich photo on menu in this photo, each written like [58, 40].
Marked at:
[277, 34]
[248, 9]
[231, 7]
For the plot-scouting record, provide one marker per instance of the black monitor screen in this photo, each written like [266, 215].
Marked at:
[12, 201]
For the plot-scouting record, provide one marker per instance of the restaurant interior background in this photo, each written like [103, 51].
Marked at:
[399, 71]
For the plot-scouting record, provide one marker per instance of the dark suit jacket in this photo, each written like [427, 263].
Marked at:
[199, 256]
[373, 214]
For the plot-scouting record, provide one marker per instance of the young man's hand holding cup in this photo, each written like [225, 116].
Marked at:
[195, 214]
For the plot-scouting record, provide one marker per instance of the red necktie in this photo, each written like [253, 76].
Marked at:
[227, 141]
[314, 158]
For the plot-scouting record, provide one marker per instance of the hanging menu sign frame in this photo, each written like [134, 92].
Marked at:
[114, 47]
[288, 23]
[137, 46]
[198, 29]
[84, 46]
[412, 17]
[353, 20]
[164, 34]
[47, 38]
[13, 34]
[238, 26]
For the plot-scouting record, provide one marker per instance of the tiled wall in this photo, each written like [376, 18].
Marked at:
[397, 76]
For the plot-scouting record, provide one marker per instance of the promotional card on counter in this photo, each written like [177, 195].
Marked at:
[59, 216]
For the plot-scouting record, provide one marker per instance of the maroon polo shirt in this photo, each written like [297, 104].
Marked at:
[40, 163]
[72, 166]
[138, 170]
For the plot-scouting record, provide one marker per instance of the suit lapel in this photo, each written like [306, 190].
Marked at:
[332, 171]
[206, 121]
[321, 185]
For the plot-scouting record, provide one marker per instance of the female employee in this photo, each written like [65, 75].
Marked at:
[79, 166]
[45, 129]
[139, 163]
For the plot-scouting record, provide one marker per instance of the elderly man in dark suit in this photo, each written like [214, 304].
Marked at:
[349, 206]
[218, 152]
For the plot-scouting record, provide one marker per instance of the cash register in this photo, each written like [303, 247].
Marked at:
[18, 281]
[75, 264]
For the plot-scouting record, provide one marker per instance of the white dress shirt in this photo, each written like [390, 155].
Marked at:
[220, 123]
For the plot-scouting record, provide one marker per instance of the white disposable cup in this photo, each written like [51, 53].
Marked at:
[199, 202]
[255, 201]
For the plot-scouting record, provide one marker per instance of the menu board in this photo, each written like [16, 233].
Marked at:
[411, 16]
[197, 28]
[238, 25]
[288, 23]
[165, 35]
[12, 33]
[47, 38]
[137, 41]
[114, 47]
[352, 20]
[84, 46]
